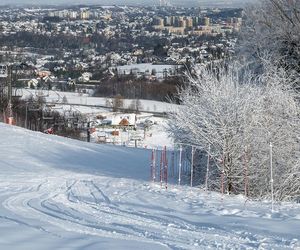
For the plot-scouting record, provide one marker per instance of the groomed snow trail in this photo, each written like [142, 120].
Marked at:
[60, 193]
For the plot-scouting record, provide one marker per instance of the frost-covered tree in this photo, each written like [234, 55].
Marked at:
[238, 117]
[117, 102]
[64, 99]
[135, 105]
[273, 27]
[276, 121]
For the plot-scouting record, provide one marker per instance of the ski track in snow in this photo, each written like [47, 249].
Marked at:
[55, 201]
[87, 205]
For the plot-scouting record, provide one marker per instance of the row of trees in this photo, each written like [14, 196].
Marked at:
[40, 41]
[132, 88]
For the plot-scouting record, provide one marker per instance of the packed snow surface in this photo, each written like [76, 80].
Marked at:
[58, 193]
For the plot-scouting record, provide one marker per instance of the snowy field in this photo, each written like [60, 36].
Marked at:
[58, 193]
[85, 99]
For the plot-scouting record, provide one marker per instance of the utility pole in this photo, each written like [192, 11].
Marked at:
[88, 132]
[26, 114]
[10, 118]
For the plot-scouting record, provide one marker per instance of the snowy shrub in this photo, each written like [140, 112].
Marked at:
[238, 117]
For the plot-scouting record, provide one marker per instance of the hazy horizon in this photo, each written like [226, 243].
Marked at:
[187, 3]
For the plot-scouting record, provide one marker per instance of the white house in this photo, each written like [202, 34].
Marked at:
[32, 83]
[85, 77]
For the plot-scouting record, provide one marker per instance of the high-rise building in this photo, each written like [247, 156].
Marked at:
[195, 21]
[206, 21]
[189, 22]
[84, 14]
[182, 23]
[229, 21]
[173, 18]
[159, 21]
[51, 14]
[168, 21]
[73, 15]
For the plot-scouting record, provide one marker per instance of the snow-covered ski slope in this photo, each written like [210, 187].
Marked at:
[57, 193]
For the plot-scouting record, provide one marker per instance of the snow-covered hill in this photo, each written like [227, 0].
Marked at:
[57, 193]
